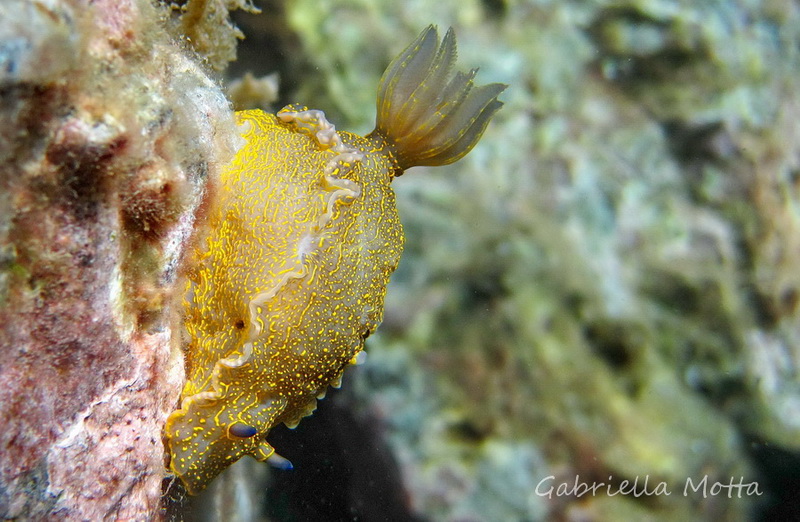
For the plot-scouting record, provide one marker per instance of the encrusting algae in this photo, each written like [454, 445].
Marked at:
[301, 245]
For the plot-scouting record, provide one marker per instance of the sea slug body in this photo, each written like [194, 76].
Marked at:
[302, 241]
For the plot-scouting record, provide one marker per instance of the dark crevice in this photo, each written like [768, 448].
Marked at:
[270, 46]
[343, 470]
[779, 480]
[641, 66]
[610, 343]
[495, 8]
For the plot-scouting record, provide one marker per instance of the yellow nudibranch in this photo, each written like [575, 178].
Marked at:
[301, 244]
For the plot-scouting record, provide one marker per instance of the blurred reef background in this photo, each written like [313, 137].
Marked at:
[607, 286]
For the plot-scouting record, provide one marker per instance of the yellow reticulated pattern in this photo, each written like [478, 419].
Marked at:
[302, 239]
[291, 282]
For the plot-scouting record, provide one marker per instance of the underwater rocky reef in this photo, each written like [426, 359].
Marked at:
[111, 137]
[604, 290]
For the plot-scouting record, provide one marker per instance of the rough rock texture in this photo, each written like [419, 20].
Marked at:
[109, 137]
[205, 26]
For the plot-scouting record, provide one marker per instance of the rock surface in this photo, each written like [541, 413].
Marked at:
[110, 138]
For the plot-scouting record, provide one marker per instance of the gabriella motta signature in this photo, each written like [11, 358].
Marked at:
[638, 487]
